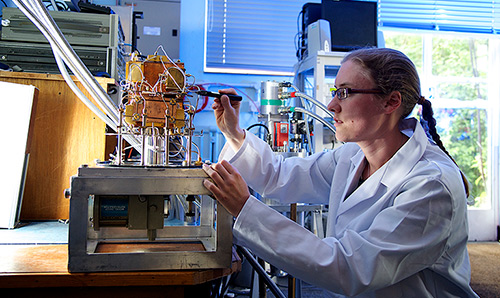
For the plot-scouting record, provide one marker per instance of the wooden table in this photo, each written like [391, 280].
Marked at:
[41, 271]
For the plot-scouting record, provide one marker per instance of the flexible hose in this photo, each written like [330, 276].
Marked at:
[314, 115]
[314, 101]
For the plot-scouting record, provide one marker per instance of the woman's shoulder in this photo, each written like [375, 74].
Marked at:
[435, 165]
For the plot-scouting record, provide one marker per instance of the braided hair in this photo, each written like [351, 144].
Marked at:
[391, 70]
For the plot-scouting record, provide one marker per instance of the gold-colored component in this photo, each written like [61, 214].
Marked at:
[179, 118]
[156, 111]
[135, 70]
[158, 83]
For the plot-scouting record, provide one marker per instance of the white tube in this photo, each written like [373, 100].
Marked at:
[42, 19]
[78, 68]
[62, 50]
[73, 87]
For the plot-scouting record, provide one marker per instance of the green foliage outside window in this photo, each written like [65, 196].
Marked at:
[459, 71]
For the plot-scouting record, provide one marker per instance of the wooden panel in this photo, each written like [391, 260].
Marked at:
[26, 266]
[66, 135]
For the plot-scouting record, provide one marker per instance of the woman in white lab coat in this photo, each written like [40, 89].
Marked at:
[397, 218]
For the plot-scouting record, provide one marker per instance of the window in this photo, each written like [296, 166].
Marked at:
[455, 75]
[251, 36]
[459, 74]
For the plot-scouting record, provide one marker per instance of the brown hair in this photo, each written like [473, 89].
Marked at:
[391, 70]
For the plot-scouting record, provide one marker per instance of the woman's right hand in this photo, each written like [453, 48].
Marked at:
[227, 186]
[227, 118]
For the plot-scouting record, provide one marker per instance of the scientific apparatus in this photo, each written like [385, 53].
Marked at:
[151, 212]
[288, 131]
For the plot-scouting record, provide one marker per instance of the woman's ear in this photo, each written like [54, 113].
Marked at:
[393, 102]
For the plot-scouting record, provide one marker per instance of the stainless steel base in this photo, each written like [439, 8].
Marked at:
[109, 248]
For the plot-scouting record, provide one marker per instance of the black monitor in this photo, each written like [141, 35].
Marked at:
[353, 24]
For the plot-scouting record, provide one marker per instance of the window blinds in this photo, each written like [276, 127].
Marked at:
[254, 36]
[475, 16]
[259, 36]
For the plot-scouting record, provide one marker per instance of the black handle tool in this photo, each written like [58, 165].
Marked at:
[218, 95]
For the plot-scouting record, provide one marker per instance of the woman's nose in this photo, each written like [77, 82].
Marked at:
[333, 105]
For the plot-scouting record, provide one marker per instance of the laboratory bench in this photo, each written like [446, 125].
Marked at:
[41, 271]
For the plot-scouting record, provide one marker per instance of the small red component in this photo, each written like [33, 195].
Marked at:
[281, 131]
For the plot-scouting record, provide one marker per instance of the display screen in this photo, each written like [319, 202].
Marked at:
[353, 24]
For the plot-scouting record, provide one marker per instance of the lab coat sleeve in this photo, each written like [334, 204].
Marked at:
[402, 240]
[290, 180]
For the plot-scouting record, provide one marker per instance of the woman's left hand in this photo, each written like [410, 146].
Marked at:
[228, 186]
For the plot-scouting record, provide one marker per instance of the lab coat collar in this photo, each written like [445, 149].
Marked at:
[408, 155]
[405, 159]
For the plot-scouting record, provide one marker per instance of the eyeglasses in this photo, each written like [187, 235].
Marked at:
[343, 93]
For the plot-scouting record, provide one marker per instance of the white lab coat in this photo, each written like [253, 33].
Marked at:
[402, 233]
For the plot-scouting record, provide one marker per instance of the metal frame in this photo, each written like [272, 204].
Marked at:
[214, 231]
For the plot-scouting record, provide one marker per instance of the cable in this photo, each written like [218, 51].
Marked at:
[258, 124]
[299, 36]
[308, 132]
[75, 64]
[205, 98]
[266, 136]
[315, 116]
[46, 24]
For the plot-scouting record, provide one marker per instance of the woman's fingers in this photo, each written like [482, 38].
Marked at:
[228, 91]
[224, 168]
[212, 188]
[212, 173]
[227, 186]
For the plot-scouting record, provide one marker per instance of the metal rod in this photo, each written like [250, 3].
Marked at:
[316, 102]
[167, 140]
[143, 135]
[292, 282]
[120, 139]
[262, 273]
[190, 139]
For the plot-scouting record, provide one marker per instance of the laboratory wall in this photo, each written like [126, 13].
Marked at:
[190, 37]
[192, 32]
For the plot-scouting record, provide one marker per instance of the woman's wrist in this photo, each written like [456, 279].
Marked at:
[236, 139]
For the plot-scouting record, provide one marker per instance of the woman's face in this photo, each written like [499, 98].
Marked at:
[360, 117]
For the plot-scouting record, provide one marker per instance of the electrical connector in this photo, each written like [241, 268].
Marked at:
[285, 95]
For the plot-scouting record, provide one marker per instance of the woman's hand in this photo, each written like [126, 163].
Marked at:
[229, 188]
[227, 118]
